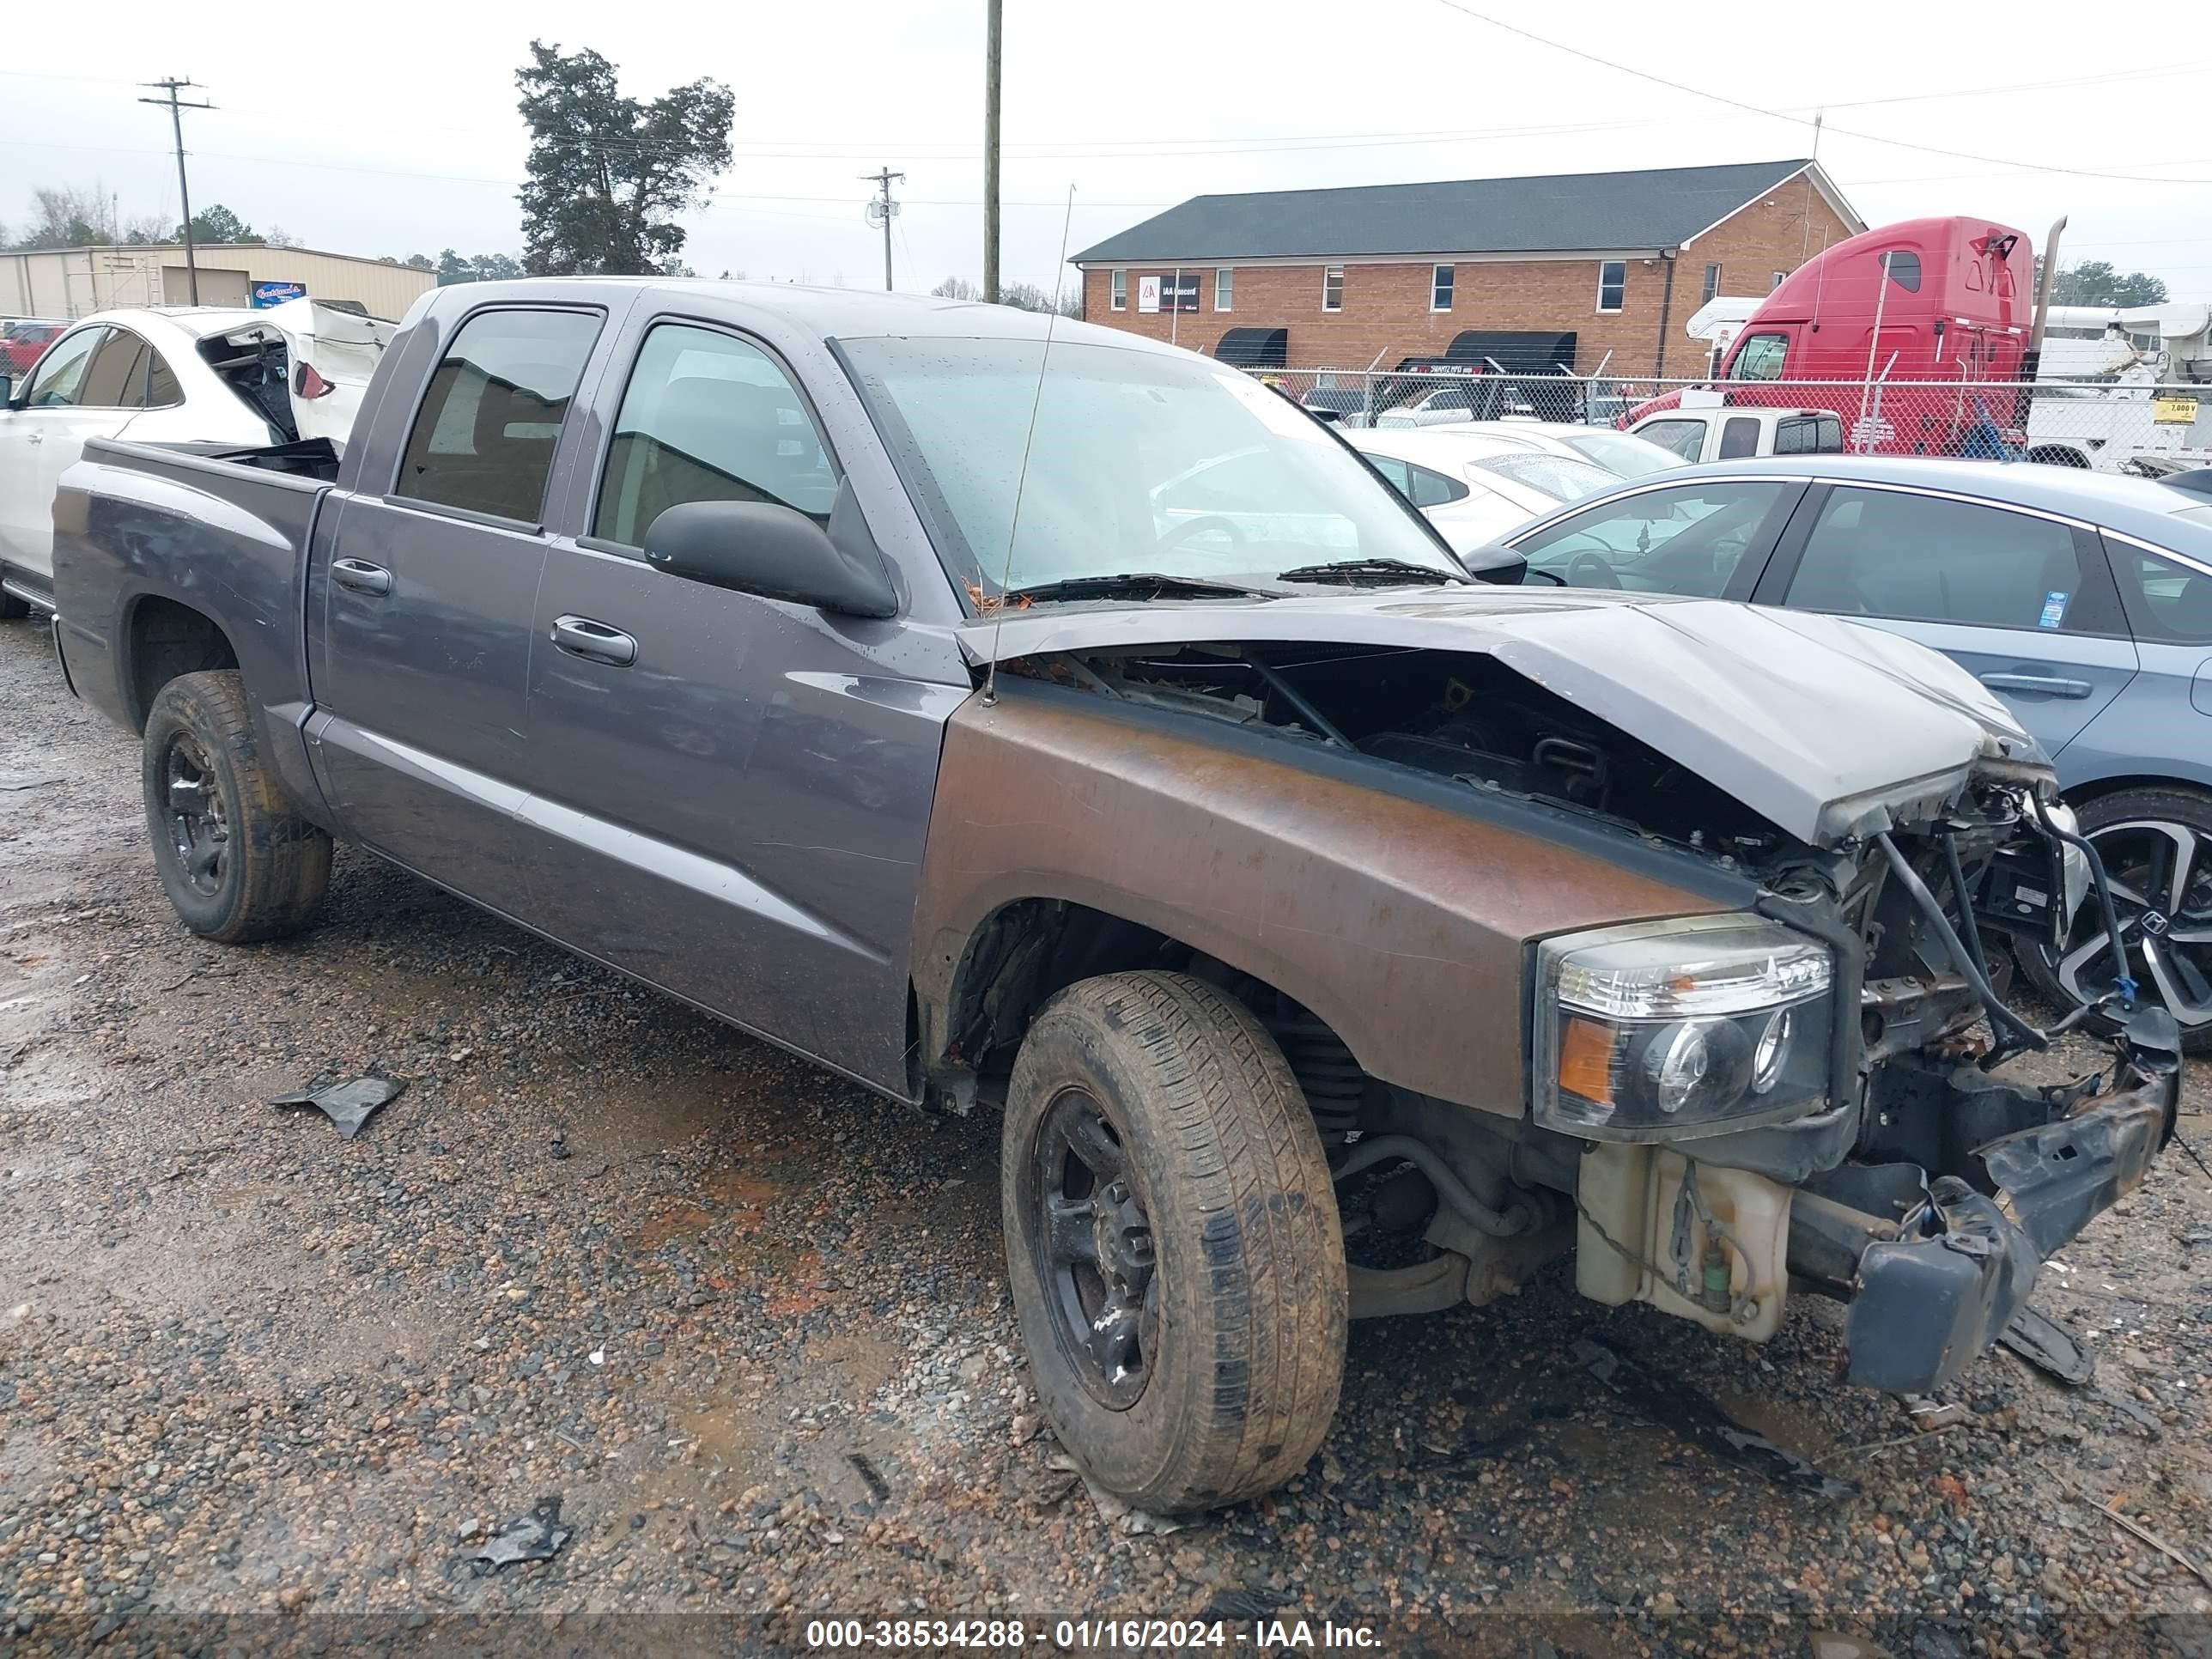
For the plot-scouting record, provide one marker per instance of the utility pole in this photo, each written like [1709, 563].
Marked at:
[172, 87]
[881, 211]
[991, 11]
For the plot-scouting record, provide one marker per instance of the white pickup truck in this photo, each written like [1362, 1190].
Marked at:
[1702, 428]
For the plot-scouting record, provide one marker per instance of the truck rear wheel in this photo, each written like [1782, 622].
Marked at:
[237, 863]
[1172, 1242]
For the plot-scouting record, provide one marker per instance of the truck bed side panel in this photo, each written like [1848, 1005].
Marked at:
[137, 526]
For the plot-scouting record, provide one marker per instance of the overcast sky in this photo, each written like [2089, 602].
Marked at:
[392, 129]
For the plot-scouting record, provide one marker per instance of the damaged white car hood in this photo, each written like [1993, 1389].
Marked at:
[1826, 728]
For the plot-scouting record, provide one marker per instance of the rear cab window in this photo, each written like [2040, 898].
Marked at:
[483, 440]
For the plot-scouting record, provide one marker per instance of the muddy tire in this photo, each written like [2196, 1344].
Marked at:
[2157, 847]
[1172, 1242]
[237, 863]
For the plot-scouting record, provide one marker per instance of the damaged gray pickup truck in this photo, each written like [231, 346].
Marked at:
[1021, 714]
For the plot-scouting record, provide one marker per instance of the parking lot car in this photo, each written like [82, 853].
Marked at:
[223, 377]
[1621, 454]
[2084, 602]
[1702, 430]
[1006, 712]
[1474, 487]
[21, 340]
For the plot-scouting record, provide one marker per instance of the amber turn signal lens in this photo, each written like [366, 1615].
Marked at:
[1586, 1059]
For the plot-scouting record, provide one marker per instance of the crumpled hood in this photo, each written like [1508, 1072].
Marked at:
[1826, 727]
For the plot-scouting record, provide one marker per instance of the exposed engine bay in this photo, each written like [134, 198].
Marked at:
[1890, 1169]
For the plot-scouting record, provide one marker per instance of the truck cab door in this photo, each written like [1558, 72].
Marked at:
[423, 581]
[2023, 602]
[732, 792]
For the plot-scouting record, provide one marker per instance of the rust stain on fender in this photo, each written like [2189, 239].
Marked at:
[1402, 921]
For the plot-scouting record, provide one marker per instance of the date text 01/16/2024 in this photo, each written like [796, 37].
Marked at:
[1261, 1636]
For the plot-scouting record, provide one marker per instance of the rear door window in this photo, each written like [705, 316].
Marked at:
[1740, 437]
[1913, 558]
[484, 438]
[116, 376]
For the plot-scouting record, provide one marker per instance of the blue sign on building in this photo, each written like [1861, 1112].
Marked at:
[275, 294]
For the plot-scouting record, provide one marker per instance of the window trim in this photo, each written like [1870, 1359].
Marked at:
[629, 365]
[1711, 286]
[1224, 282]
[1604, 266]
[1328, 272]
[1117, 288]
[1449, 283]
[390, 494]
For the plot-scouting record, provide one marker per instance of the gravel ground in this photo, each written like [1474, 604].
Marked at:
[261, 1386]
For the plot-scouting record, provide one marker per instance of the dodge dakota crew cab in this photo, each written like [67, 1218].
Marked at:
[1003, 711]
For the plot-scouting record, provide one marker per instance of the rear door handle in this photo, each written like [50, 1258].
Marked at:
[580, 636]
[361, 576]
[2049, 685]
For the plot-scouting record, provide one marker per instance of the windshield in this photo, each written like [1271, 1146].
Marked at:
[1616, 452]
[1558, 477]
[1140, 462]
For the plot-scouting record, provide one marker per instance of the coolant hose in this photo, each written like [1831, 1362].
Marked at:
[1961, 957]
[1450, 1188]
[2122, 983]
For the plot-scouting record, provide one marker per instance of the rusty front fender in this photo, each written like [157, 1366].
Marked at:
[1397, 908]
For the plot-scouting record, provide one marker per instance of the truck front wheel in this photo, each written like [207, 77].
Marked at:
[237, 863]
[1172, 1242]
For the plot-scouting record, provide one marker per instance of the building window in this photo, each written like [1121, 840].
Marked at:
[1777, 283]
[1332, 288]
[1225, 287]
[1611, 283]
[1440, 288]
[1119, 298]
[1712, 284]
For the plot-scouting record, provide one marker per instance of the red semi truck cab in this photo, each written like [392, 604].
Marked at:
[1881, 326]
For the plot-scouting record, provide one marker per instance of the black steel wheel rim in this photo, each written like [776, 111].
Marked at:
[1091, 1237]
[2161, 881]
[193, 806]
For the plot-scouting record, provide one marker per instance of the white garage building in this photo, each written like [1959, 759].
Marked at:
[64, 283]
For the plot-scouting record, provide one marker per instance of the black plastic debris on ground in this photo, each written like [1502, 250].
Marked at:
[537, 1536]
[350, 1104]
[2049, 1347]
[1674, 1404]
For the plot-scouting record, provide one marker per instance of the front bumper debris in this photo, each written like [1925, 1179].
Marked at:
[1933, 1288]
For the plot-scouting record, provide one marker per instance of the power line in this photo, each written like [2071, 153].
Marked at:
[1778, 115]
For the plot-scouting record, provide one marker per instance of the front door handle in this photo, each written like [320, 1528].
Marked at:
[35, 436]
[2049, 685]
[361, 576]
[580, 636]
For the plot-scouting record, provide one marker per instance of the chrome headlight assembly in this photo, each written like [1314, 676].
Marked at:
[1671, 1029]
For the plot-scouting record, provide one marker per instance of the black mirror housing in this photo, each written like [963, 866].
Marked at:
[7, 391]
[1496, 563]
[770, 549]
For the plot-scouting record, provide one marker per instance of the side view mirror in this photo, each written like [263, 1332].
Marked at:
[7, 391]
[1496, 563]
[763, 547]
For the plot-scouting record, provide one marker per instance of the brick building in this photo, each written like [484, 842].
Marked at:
[1558, 270]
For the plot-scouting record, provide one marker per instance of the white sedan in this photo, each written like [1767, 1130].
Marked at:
[1620, 453]
[187, 374]
[1473, 487]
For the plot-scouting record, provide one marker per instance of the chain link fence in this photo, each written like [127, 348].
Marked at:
[2146, 428]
